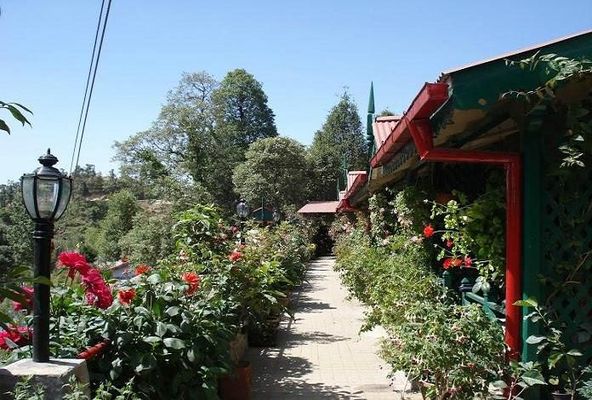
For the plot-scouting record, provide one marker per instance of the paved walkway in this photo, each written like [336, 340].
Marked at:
[320, 354]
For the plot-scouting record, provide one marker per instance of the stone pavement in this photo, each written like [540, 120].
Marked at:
[320, 354]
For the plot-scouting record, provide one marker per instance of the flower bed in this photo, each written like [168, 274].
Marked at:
[169, 329]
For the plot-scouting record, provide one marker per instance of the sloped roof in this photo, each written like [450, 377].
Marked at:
[382, 128]
[319, 207]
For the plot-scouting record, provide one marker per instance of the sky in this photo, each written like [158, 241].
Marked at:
[303, 52]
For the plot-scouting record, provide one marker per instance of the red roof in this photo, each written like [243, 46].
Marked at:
[319, 207]
[382, 127]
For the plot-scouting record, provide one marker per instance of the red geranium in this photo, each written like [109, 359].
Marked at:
[98, 292]
[428, 231]
[235, 256]
[75, 262]
[142, 269]
[18, 335]
[27, 292]
[447, 263]
[192, 280]
[468, 261]
[125, 296]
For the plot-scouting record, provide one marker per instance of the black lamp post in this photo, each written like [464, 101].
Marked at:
[46, 194]
[242, 210]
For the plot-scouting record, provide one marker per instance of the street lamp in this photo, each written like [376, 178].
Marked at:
[276, 215]
[242, 210]
[46, 194]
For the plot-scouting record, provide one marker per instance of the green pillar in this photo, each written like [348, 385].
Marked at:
[532, 263]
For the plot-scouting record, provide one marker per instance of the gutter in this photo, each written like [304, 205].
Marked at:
[416, 126]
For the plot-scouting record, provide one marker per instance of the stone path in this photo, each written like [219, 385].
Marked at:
[320, 353]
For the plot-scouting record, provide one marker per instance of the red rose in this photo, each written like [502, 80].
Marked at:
[192, 280]
[142, 269]
[428, 231]
[235, 256]
[125, 296]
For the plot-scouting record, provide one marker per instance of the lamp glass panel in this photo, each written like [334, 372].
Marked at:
[242, 210]
[64, 198]
[28, 197]
[47, 196]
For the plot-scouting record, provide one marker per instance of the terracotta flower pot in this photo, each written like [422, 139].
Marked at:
[238, 385]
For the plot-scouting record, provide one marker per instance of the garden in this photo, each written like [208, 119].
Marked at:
[175, 328]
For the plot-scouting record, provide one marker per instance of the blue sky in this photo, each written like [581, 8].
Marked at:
[303, 52]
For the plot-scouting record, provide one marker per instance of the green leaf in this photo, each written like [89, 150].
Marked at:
[533, 377]
[575, 353]
[531, 302]
[152, 339]
[174, 343]
[554, 358]
[535, 339]
[4, 127]
[161, 329]
[172, 311]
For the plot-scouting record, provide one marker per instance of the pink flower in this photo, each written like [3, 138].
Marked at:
[75, 262]
[235, 256]
[428, 231]
[449, 243]
[468, 261]
[27, 292]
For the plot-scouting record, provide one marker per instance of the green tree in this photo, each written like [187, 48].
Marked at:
[242, 116]
[150, 239]
[276, 170]
[118, 221]
[180, 141]
[339, 144]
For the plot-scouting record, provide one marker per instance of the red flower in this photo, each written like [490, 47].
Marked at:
[27, 292]
[449, 243]
[98, 292]
[447, 263]
[18, 335]
[125, 297]
[142, 269]
[468, 261]
[75, 262]
[235, 256]
[192, 280]
[456, 262]
[428, 231]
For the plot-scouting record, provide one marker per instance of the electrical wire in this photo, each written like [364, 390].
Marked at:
[90, 83]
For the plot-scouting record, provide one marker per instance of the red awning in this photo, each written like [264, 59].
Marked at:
[319, 207]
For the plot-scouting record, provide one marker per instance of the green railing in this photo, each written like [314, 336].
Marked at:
[493, 310]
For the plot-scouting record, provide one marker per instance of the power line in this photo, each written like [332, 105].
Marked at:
[92, 70]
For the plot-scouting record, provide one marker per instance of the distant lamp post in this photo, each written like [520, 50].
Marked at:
[242, 210]
[46, 194]
[276, 215]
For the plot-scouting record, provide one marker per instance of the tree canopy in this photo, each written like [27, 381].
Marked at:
[338, 146]
[275, 171]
